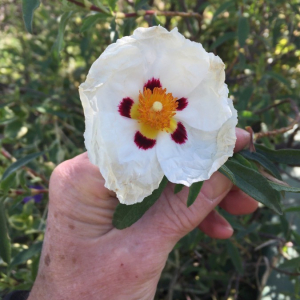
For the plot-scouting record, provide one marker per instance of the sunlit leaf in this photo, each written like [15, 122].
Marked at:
[223, 7]
[20, 163]
[57, 46]
[26, 254]
[28, 8]
[90, 21]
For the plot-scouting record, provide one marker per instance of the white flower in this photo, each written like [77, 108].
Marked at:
[156, 104]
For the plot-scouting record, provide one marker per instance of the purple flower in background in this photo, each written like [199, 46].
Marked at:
[37, 198]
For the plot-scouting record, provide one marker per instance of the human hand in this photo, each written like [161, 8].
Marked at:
[85, 257]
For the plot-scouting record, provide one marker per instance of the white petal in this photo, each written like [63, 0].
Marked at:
[179, 63]
[118, 73]
[201, 155]
[131, 172]
[207, 107]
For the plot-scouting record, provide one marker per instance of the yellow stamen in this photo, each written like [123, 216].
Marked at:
[156, 108]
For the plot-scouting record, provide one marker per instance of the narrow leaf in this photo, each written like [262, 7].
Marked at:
[280, 188]
[223, 7]
[28, 8]
[263, 161]
[57, 46]
[290, 265]
[178, 188]
[253, 184]
[5, 247]
[20, 163]
[235, 256]
[126, 215]
[23, 256]
[222, 39]
[90, 21]
[194, 192]
[243, 31]
[284, 156]
[103, 8]
[278, 77]
[242, 160]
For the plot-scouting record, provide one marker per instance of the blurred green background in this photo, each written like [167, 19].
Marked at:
[42, 124]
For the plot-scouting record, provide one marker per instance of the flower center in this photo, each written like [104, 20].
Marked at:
[156, 108]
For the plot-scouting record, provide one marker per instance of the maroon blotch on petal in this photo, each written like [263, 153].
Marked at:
[143, 142]
[125, 107]
[182, 103]
[152, 83]
[179, 136]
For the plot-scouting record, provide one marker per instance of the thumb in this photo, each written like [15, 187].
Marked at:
[170, 216]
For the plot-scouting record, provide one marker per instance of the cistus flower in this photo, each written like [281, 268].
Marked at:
[156, 104]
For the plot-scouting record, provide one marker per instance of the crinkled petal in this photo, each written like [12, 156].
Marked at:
[131, 172]
[207, 107]
[118, 73]
[200, 156]
[177, 62]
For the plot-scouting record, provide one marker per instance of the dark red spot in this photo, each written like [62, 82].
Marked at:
[142, 142]
[152, 83]
[179, 136]
[125, 107]
[122, 265]
[182, 103]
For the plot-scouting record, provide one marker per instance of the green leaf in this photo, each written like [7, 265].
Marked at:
[178, 188]
[290, 265]
[112, 4]
[222, 39]
[277, 77]
[28, 8]
[292, 209]
[263, 161]
[235, 256]
[23, 256]
[20, 163]
[5, 247]
[243, 31]
[8, 183]
[90, 21]
[284, 156]
[103, 8]
[57, 46]
[253, 184]
[194, 191]
[242, 160]
[279, 187]
[223, 7]
[126, 215]
[244, 97]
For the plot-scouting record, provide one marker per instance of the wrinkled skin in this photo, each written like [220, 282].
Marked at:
[85, 257]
